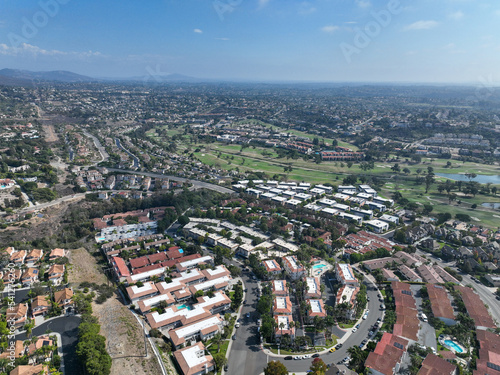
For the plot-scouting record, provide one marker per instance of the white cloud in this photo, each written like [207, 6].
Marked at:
[263, 3]
[457, 16]
[198, 31]
[306, 8]
[363, 3]
[28, 49]
[351, 22]
[222, 39]
[422, 25]
[330, 29]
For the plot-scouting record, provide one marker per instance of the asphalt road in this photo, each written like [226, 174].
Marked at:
[67, 327]
[246, 356]
[196, 183]
[427, 333]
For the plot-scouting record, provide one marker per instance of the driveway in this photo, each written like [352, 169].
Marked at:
[427, 333]
[67, 327]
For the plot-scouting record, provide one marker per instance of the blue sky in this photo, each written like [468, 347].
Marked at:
[429, 41]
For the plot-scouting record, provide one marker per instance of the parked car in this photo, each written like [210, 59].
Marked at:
[333, 349]
[225, 367]
[358, 325]
[234, 337]
[307, 356]
[288, 357]
[382, 306]
[237, 325]
[315, 355]
[364, 341]
[354, 330]
[297, 357]
[338, 346]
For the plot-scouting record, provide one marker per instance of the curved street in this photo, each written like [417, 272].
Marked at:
[249, 358]
[67, 327]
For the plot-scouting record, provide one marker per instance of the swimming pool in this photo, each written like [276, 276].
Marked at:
[184, 307]
[319, 266]
[453, 345]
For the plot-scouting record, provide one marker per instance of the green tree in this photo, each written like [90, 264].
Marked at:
[220, 360]
[318, 367]
[275, 368]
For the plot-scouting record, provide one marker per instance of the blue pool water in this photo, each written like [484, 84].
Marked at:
[319, 266]
[454, 346]
[184, 307]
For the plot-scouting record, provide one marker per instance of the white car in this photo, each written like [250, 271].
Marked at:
[354, 329]
[307, 356]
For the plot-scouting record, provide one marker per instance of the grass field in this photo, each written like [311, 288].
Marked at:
[231, 156]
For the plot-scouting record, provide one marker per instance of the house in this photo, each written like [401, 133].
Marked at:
[284, 326]
[441, 304]
[30, 276]
[293, 268]
[347, 294]
[40, 306]
[409, 274]
[193, 360]
[34, 256]
[30, 369]
[434, 365]
[279, 288]
[57, 253]
[493, 279]
[315, 307]
[345, 274]
[18, 257]
[429, 275]
[282, 306]
[18, 314]
[64, 299]
[378, 226]
[313, 288]
[203, 329]
[56, 272]
[388, 355]
[219, 303]
[389, 275]
[136, 293]
[12, 277]
[18, 351]
[39, 344]
[272, 267]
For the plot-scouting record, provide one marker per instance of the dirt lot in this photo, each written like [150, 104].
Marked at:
[50, 134]
[124, 338]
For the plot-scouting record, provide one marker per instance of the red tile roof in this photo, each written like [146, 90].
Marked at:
[387, 354]
[475, 307]
[440, 302]
[433, 365]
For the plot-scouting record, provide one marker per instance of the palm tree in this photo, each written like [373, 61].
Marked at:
[217, 340]
[282, 325]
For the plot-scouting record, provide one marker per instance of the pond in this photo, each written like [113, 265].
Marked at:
[481, 178]
[491, 205]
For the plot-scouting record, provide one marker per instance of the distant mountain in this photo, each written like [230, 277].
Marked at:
[56, 75]
[9, 81]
